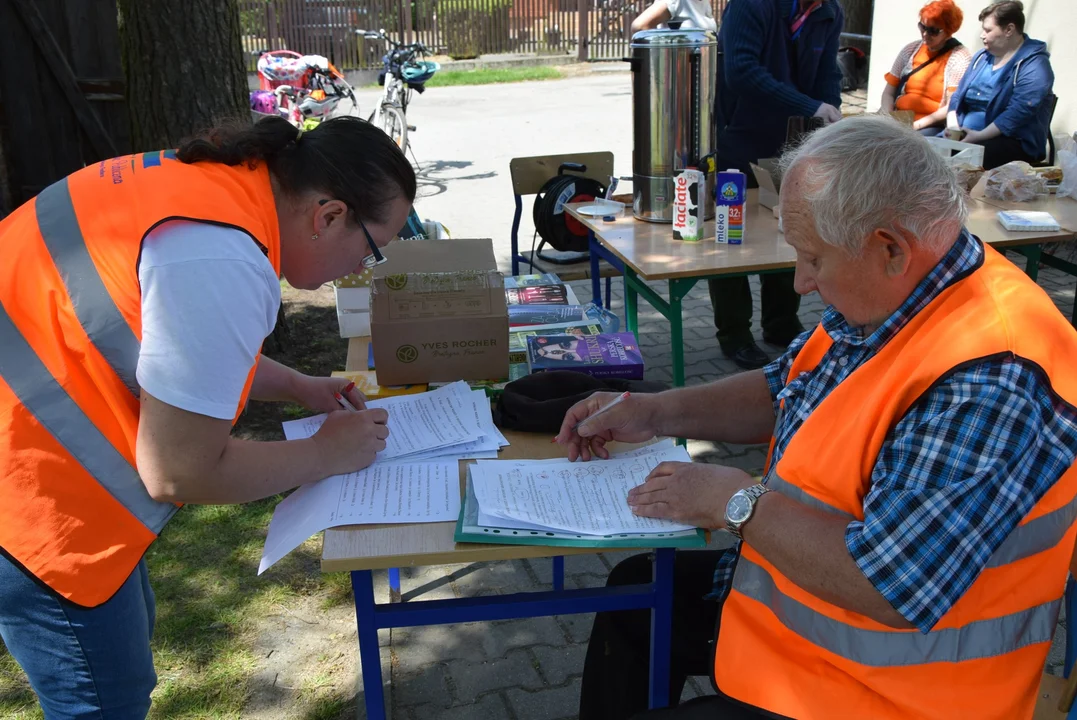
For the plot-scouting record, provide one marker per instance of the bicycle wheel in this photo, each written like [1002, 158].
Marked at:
[395, 126]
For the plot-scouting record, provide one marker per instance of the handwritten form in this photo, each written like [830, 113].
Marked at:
[587, 498]
[415, 479]
[382, 493]
[452, 421]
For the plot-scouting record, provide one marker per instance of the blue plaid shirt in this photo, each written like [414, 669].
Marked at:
[955, 475]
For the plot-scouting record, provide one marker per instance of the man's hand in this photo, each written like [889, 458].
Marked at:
[828, 113]
[318, 393]
[689, 493]
[348, 441]
[631, 421]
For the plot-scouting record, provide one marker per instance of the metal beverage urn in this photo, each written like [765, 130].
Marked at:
[674, 76]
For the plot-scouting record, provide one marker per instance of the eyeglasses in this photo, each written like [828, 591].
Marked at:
[928, 30]
[371, 261]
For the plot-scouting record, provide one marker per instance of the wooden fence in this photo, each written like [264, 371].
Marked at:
[458, 28]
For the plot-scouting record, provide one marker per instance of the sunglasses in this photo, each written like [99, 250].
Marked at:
[375, 258]
[928, 30]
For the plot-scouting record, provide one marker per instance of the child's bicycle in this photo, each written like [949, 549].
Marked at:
[303, 89]
[405, 71]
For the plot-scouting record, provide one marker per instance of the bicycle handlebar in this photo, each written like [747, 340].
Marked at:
[381, 35]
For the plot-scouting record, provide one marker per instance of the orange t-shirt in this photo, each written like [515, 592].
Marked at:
[925, 91]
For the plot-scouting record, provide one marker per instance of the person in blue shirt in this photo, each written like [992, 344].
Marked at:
[779, 60]
[1002, 102]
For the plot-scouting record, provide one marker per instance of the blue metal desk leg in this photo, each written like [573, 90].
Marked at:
[559, 572]
[394, 585]
[596, 281]
[661, 627]
[369, 655]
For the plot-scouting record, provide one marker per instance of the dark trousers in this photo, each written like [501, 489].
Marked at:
[616, 672]
[1002, 149]
[731, 299]
[732, 302]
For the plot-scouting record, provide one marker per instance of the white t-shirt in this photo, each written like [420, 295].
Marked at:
[694, 14]
[209, 299]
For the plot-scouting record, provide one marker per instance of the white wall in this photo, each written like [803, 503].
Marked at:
[1052, 21]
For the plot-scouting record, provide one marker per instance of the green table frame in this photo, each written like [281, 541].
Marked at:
[670, 309]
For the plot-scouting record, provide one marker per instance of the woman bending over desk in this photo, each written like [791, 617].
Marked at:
[134, 298]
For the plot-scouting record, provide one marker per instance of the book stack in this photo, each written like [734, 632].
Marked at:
[539, 304]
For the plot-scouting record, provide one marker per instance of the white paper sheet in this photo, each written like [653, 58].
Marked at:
[588, 498]
[488, 520]
[417, 423]
[404, 492]
[485, 418]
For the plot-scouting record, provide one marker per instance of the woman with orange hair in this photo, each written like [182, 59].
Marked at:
[927, 72]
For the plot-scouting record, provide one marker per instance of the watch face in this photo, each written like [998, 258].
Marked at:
[739, 508]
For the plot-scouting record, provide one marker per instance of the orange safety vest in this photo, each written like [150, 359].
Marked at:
[783, 649]
[73, 509]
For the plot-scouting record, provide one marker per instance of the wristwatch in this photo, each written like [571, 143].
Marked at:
[740, 507]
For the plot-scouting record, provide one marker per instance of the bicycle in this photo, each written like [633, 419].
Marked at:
[405, 71]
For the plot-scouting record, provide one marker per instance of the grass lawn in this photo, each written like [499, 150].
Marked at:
[489, 76]
[203, 572]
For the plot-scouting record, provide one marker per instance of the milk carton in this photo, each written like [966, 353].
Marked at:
[688, 187]
[729, 191]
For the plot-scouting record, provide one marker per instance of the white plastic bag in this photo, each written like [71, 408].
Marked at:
[1014, 182]
[1067, 160]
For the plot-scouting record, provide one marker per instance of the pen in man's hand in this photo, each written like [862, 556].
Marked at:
[620, 398]
[344, 403]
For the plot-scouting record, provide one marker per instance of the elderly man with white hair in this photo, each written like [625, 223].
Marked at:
[906, 552]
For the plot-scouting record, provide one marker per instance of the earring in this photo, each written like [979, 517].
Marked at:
[314, 237]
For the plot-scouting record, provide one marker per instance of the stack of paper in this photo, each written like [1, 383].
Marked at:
[452, 422]
[389, 492]
[1028, 220]
[415, 479]
[560, 499]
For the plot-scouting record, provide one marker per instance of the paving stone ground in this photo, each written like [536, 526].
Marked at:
[531, 669]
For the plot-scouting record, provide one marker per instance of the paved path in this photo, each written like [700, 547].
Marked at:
[531, 669]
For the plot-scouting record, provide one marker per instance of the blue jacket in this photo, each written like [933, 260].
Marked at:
[765, 77]
[1018, 108]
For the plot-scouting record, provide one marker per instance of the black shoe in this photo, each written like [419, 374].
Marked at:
[749, 357]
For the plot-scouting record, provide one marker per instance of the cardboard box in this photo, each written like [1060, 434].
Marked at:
[438, 313]
[769, 179]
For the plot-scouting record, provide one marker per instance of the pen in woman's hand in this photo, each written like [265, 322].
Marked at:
[344, 403]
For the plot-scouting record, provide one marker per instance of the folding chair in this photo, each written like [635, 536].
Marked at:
[529, 174]
[1052, 102]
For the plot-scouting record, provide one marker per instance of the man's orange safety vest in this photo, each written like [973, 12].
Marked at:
[783, 649]
[73, 509]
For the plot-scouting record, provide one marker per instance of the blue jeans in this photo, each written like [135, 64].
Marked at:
[82, 662]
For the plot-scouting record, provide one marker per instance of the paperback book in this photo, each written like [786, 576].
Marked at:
[523, 315]
[519, 281]
[537, 295]
[607, 355]
[518, 339]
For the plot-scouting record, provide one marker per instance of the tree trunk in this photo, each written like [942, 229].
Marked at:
[184, 65]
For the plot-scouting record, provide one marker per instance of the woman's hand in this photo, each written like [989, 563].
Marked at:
[973, 136]
[348, 441]
[318, 394]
